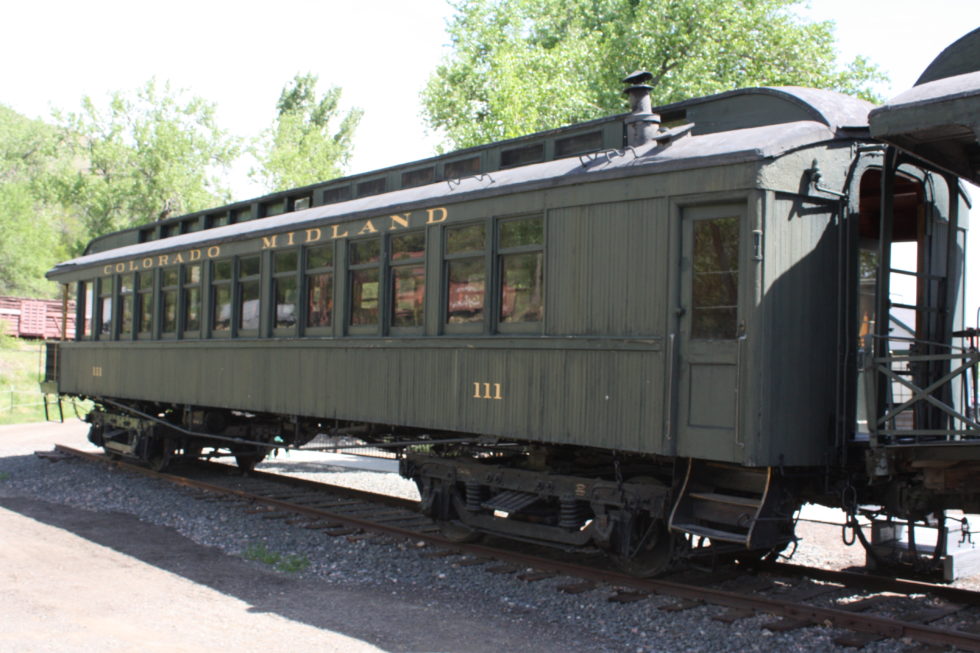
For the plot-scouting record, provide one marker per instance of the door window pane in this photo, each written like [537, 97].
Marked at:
[714, 293]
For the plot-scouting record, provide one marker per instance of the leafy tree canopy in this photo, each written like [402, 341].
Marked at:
[519, 66]
[146, 156]
[33, 232]
[303, 147]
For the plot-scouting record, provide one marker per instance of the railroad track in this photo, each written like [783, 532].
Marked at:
[796, 597]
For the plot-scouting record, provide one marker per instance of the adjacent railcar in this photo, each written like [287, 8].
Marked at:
[657, 333]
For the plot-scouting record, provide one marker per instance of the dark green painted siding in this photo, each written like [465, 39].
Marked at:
[596, 393]
[629, 297]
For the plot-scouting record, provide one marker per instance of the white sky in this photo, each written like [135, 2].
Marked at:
[240, 54]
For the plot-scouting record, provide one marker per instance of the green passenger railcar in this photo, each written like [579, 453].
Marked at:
[633, 332]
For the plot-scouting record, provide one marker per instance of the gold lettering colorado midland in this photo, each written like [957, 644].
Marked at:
[394, 222]
[135, 265]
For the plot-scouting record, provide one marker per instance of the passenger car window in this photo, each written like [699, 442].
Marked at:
[105, 307]
[466, 273]
[169, 288]
[249, 308]
[319, 286]
[285, 288]
[521, 251]
[221, 296]
[407, 271]
[192, 298]
[365, 281]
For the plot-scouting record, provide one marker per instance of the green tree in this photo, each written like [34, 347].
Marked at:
[302, 147]
[519, 66]
[34, 231]
[146, 156]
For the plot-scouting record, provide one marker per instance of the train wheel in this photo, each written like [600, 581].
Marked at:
[457, 531]
[654, 552]
[158, 457]
[645, 548]
[247, 458]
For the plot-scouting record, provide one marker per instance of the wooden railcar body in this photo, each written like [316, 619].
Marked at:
[700, 303]
[594, 371]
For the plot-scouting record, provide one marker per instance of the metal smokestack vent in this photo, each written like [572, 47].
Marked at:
[642, 125]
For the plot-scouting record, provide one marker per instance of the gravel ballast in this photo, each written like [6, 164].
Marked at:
[398, 569]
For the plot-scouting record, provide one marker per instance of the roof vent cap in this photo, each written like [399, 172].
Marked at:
[642, 125]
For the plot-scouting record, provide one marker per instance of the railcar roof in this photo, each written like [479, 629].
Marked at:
[737, 126]
[938, 119]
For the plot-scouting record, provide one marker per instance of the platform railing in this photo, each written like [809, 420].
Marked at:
[929, 398]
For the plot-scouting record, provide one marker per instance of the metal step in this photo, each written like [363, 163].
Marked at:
[722, 502]
[510, 501]
[712, 533]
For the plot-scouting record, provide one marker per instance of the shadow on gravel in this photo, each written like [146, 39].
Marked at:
[391, 622]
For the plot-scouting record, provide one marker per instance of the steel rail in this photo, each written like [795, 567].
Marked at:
[318, 513]
[881, 626]
[874, 582]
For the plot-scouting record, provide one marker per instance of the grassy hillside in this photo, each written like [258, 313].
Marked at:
[20, 396]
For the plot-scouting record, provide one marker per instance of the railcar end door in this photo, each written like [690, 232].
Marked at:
[711, 331]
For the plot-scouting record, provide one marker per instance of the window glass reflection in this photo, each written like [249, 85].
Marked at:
[408, 246]
[222, 308]
[468, 238]
[521, 292]
[408, 296]
[365, 251]
[248, 317]
[365, 294]
[319, 299]
[467, 287]
[286, 296]
[169, 324]
[518, 233]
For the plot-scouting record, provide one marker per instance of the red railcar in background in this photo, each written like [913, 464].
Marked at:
[36, 318]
